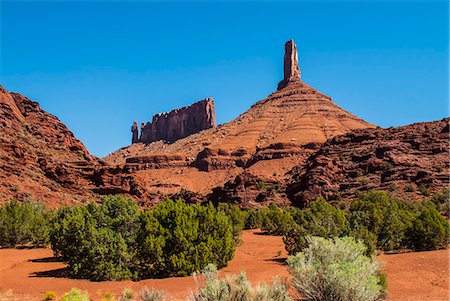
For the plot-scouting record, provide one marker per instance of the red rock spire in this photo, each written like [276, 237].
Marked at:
[291, 68]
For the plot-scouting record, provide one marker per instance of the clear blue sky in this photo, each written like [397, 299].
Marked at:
[100, 65]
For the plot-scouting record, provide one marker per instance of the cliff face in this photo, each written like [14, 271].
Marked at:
[178, 123]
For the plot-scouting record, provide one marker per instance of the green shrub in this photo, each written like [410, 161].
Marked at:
[409, 188]
[254, 219]
[322, 219]
[237, 288]
[428, 231]
[177, 239]
[98, 241]
[369, 239]
[387, 218]
[25, 223]
[237, 218]
[75, 294]
[442, 201]
[392, 187]
[276, 221]
[423, 190]
[336, 269]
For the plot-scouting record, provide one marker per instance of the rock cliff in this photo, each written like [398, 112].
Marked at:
[406, 162]
[177, 123]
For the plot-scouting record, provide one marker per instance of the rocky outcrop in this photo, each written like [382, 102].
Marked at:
[39, 157]
[178, 123]
[249, 190]
[402, 161]
[291, 66]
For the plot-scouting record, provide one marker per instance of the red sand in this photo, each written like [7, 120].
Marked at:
[411, 276]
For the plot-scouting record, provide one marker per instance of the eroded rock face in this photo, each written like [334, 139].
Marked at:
[396, 160]
[291, 67]
[178, 123]
[249, 190]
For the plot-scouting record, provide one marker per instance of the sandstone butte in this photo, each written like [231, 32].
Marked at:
[292, 146]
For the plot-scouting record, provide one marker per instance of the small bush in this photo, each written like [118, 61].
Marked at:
[75, 294]
[147, 294]
[127, 295]
[392, 187]
[409, 188]
[108, 296]
[423, 190]
[237, 288]
[442, 201]
[428, 231]
[336, 269]
[49, 295]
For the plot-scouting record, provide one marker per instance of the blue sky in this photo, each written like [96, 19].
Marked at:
[99, 66]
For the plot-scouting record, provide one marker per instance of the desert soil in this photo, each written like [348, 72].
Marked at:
[27, 274]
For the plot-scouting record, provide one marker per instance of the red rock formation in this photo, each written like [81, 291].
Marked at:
[396, 160]
[178, 123]
[274, 135]
[291, 67]
[135, 133]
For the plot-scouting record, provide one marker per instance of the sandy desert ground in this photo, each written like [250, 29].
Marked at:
[27, 274]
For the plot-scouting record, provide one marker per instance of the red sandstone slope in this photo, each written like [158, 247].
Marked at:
[269, 139]
[397, 160]
[39, 156]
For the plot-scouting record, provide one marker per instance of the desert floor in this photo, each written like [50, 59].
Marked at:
[27, 274]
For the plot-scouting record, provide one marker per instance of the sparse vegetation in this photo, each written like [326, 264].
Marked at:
[409, 188]
[423, 190]
[75, 294]
[127, 295]
[147, 294]
[237, 287]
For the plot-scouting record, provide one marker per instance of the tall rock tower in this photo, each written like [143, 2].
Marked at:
[291, 68]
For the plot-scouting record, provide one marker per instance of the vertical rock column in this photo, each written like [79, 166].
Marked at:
[135, 131]
[291, 68]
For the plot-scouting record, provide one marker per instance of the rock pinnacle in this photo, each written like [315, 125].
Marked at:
[291, 68]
